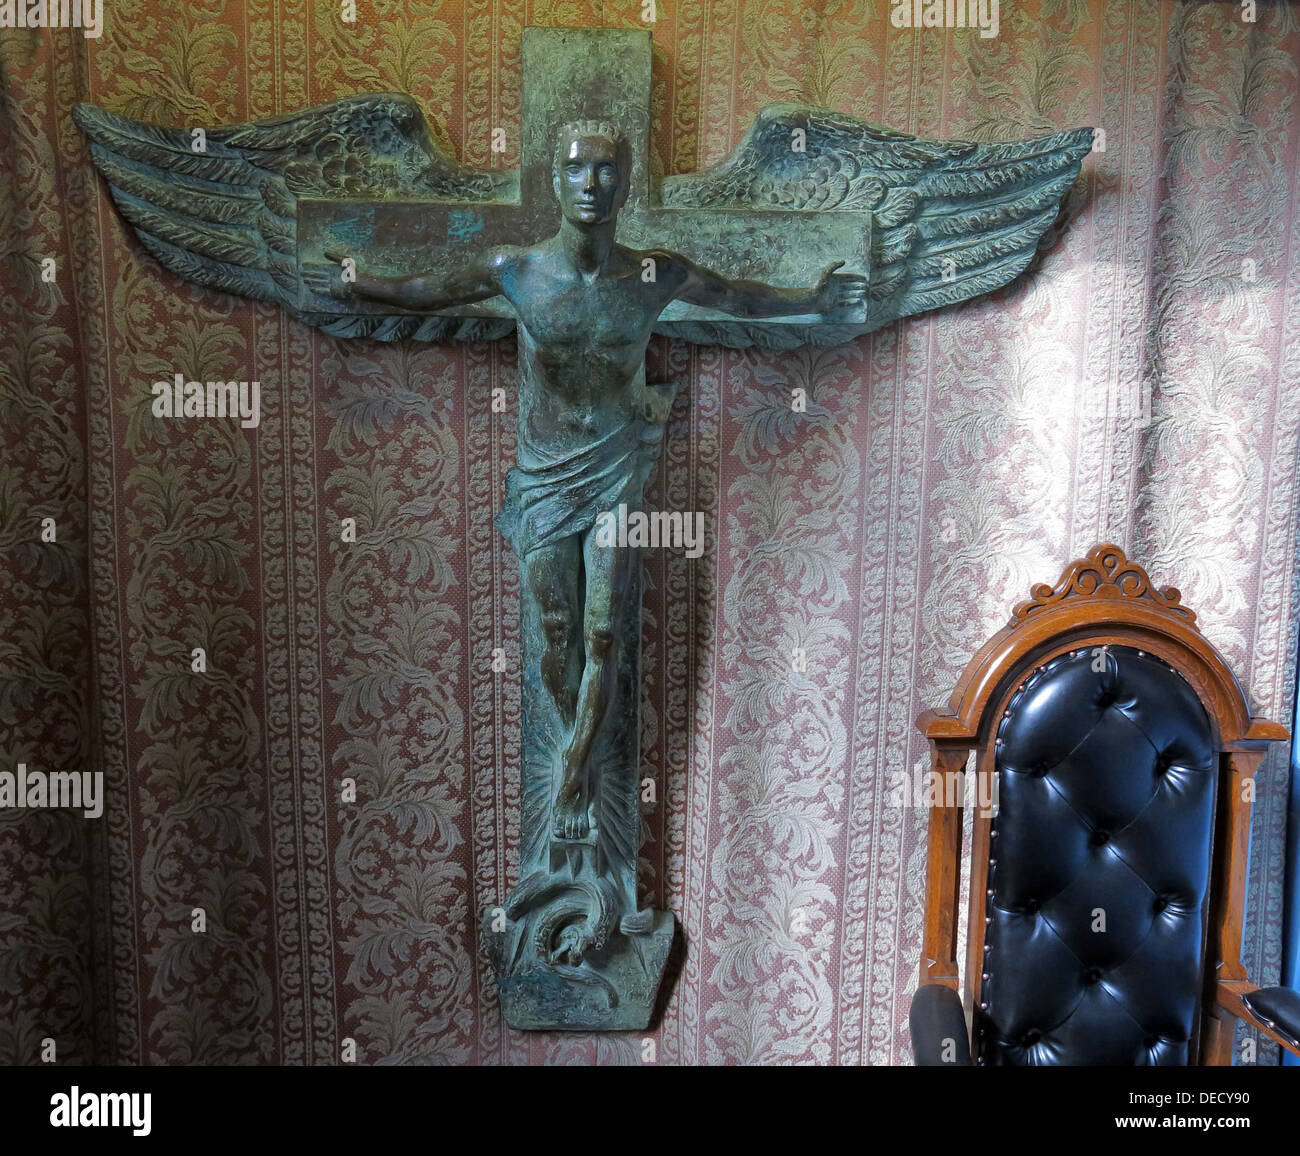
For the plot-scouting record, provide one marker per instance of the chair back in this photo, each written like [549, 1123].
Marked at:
[1119, 752]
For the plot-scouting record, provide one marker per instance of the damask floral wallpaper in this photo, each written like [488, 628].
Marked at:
[1141, 385]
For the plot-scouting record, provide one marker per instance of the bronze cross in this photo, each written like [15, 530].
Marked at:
[446, 250]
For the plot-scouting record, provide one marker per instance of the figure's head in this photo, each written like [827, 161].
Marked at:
[592, 164]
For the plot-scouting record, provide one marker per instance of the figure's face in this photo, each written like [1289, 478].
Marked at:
[588, 182]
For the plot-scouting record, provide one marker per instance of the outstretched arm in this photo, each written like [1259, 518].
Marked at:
[426, 292]
[831, 293]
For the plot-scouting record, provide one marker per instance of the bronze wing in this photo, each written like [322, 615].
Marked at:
[951, 220]
[225, 216]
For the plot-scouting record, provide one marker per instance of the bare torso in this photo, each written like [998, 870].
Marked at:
[582, 339]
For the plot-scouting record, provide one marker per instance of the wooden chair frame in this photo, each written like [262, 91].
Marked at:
[1100, 600]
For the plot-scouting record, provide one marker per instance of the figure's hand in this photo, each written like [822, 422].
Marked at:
[327, 280]
[837, 292]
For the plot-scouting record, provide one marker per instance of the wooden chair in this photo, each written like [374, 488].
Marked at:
[1108, 878]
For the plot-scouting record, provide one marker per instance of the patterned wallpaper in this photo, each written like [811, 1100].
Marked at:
[1141, 384]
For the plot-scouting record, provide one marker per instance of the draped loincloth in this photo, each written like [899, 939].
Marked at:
[551, 495]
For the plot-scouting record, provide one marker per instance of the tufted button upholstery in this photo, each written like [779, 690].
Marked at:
[1097, 897]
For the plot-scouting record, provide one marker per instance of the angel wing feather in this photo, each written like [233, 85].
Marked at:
[952, 219]
[226, 216]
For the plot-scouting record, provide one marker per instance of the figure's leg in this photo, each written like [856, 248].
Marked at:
[551, 573]
[607, 570]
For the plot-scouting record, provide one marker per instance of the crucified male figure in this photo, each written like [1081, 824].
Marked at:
[589, 426]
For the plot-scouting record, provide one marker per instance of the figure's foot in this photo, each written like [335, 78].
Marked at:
[569, 816]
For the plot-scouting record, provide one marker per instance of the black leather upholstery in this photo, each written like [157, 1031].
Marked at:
[1099, 866]
[1277, 1008]
[938, 1026]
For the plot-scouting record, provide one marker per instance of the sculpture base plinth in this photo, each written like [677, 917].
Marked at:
[613, 990]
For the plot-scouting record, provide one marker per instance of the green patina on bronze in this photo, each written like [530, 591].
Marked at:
[587, 258]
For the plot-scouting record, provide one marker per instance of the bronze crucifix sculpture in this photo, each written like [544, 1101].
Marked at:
[589, 425]
[350, 217]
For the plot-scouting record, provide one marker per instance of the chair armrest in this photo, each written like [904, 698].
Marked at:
[1278, 1009]
[938, 1026]
[1274, 1010]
